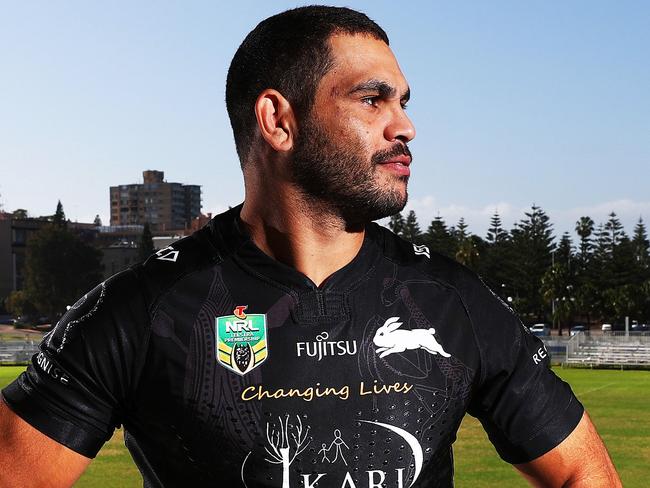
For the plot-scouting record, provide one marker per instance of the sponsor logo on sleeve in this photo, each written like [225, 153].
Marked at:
[241, 340]
[421, 250]
[167, 254]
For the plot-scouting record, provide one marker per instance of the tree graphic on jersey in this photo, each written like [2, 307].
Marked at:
[242, 356]
[282, 441]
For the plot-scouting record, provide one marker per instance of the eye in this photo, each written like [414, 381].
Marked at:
[370, 100]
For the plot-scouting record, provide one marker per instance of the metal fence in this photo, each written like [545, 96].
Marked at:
[17, 351]
[613, 349]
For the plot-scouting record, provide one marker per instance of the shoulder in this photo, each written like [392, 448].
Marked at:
[478, 299]
[168, 266]
[425, 260]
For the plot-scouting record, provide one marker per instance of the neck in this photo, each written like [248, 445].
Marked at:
[297, 233]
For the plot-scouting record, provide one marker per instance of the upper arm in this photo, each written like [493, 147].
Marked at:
[581, 460]
[29, 458]
[79, 386]
[524, 407]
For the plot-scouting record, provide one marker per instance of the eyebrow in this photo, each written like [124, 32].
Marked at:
[384, 89]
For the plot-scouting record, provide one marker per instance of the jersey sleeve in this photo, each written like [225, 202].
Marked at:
[524, 407]
[77, 388]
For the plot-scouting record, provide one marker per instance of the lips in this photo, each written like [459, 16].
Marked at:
[396, 159]
[398, 165]
[403, 160]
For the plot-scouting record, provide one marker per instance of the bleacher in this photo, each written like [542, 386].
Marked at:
[609, 351]
[17, 351]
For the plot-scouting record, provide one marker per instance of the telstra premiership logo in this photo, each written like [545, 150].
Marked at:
[241, 340]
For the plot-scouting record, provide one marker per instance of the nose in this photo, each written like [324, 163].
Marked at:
[400, 126]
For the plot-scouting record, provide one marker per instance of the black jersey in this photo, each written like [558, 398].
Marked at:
[227, 368]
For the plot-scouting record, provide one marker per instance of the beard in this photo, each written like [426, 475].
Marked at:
[339, 180]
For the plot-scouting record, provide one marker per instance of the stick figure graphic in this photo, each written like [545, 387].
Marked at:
[338, 442]
[324, 450]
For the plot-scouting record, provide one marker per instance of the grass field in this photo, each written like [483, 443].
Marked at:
[618, 402]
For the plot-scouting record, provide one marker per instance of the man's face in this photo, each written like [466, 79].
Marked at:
[351, 152]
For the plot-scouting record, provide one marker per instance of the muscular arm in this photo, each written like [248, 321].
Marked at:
[581, 460]
[29, 458]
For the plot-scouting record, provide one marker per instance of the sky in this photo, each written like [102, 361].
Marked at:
[515, 104]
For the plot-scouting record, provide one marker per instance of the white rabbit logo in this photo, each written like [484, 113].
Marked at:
[389, 340]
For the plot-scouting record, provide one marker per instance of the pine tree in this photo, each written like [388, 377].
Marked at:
[532, 244]
[397, 223]
[496, 233]
[439, 239]
[461, 230]
[641, 247]
[466, 252]
[59, 216]
[564, 252]
[411, 231]
[495, 264]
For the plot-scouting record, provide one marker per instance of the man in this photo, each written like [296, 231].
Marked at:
[291, 342]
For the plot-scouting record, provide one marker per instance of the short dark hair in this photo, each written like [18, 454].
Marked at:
[288, 52]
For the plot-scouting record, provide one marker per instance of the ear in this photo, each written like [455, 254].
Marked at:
[392, 327]
[276, 120]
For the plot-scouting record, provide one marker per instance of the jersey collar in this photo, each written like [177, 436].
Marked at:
[229, 231]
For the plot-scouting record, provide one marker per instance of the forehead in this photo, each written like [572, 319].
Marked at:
[359, 58]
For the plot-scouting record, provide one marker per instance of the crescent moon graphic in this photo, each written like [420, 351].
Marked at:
[411, 441]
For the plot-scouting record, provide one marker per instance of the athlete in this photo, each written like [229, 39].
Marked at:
[291, 333]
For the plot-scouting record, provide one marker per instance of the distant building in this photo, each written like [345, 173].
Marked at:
[166, 206]
[14, 234]
[198, 222]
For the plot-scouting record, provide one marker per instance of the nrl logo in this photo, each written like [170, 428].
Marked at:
[241, 340]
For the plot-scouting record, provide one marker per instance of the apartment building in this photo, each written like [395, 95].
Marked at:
[166, 206]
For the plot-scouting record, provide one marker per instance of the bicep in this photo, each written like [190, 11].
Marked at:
[29, 458]
[580, 460]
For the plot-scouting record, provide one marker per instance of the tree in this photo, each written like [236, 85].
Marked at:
[98, 221]
[20, 213]
[496, 233]
[466, 252]
[641, 249]
[411, 231]
[397, 223]
[496, 264]
[59, 268]
[280, 444]
[557, 289]
[59, 216]
[558, 284]
[532, 244]
[18, 304]
[585, 228]
[439, 239]
[145, 249]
